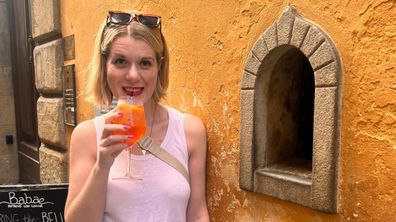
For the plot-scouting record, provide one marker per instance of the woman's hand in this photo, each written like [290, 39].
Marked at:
[110, 145]
[90, 159]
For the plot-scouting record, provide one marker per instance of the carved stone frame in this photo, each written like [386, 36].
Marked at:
[320, 191]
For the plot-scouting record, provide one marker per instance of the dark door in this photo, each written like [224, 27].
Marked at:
[25, 92]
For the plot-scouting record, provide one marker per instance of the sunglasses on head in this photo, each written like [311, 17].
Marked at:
[124, 18]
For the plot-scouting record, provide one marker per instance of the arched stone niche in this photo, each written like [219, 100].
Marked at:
[291, 114]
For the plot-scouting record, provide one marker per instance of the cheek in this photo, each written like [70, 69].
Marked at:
[111, 81]
[151, 83]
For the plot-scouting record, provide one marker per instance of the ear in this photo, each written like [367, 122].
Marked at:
[160, 61]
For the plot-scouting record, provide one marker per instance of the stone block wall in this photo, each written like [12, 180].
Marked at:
[8, 153]
[45, 16]
[48, 60]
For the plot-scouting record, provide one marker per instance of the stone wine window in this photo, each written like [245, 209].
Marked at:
[290, 115]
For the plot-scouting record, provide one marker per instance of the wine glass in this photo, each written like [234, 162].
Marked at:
[132, 115]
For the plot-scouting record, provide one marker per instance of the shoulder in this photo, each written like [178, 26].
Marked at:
[84, 128]
[83, 133]
[194, 125]
[195, 131]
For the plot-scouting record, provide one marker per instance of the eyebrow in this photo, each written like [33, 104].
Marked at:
[115, 54]
[121, 55]
[149, 58]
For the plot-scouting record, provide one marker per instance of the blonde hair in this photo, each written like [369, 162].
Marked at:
[98, 90]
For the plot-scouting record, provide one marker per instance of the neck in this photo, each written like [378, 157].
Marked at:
[150, 113]
[153, 119]
[149, 109]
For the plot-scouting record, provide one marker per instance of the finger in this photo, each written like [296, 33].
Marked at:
[110, 129]
[111, 116]
[114, 139]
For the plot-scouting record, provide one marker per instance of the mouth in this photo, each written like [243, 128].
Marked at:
[133, 91]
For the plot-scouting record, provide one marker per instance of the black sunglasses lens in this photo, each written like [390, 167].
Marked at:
[150, 21]
[120, 18]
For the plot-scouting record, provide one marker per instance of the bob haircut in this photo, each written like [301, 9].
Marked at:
[98, 91]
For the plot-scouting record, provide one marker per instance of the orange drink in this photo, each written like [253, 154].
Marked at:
[133, 116]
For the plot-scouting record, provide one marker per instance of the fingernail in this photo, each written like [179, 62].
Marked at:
[131, 136]
[127, 127]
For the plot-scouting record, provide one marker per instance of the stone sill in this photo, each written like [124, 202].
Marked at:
[284, 185]
[292, 166]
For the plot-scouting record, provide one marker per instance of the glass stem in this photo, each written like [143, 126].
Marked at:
[129, 161]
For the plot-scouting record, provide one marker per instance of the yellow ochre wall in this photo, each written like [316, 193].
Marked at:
[209, 41]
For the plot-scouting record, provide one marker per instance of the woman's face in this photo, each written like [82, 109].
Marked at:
[132, 68]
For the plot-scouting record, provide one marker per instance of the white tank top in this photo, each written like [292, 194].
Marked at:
[162, 194]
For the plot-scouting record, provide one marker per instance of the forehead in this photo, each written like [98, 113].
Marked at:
[127, 45]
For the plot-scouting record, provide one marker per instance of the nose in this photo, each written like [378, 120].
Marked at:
[133, 73]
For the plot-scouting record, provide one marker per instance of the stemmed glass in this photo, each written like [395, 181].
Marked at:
[133, 116]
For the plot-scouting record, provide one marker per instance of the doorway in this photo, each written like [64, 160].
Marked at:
[25, 92]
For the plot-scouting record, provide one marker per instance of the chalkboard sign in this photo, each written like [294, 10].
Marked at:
[32, 203]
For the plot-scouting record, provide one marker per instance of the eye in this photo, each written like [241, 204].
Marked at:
[145, 64]
[119, 61]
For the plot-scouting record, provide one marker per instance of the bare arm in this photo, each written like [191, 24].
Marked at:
[197, 146]
[89, 171]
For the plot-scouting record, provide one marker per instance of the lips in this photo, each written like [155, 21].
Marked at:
[133, 91]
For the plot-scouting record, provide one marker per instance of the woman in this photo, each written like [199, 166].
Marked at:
[131, 58]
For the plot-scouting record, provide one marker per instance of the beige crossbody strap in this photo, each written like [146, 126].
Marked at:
[149, 145]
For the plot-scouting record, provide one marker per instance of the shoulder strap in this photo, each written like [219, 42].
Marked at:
[148, 144]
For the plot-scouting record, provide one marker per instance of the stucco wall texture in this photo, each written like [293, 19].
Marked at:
[209, 42]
